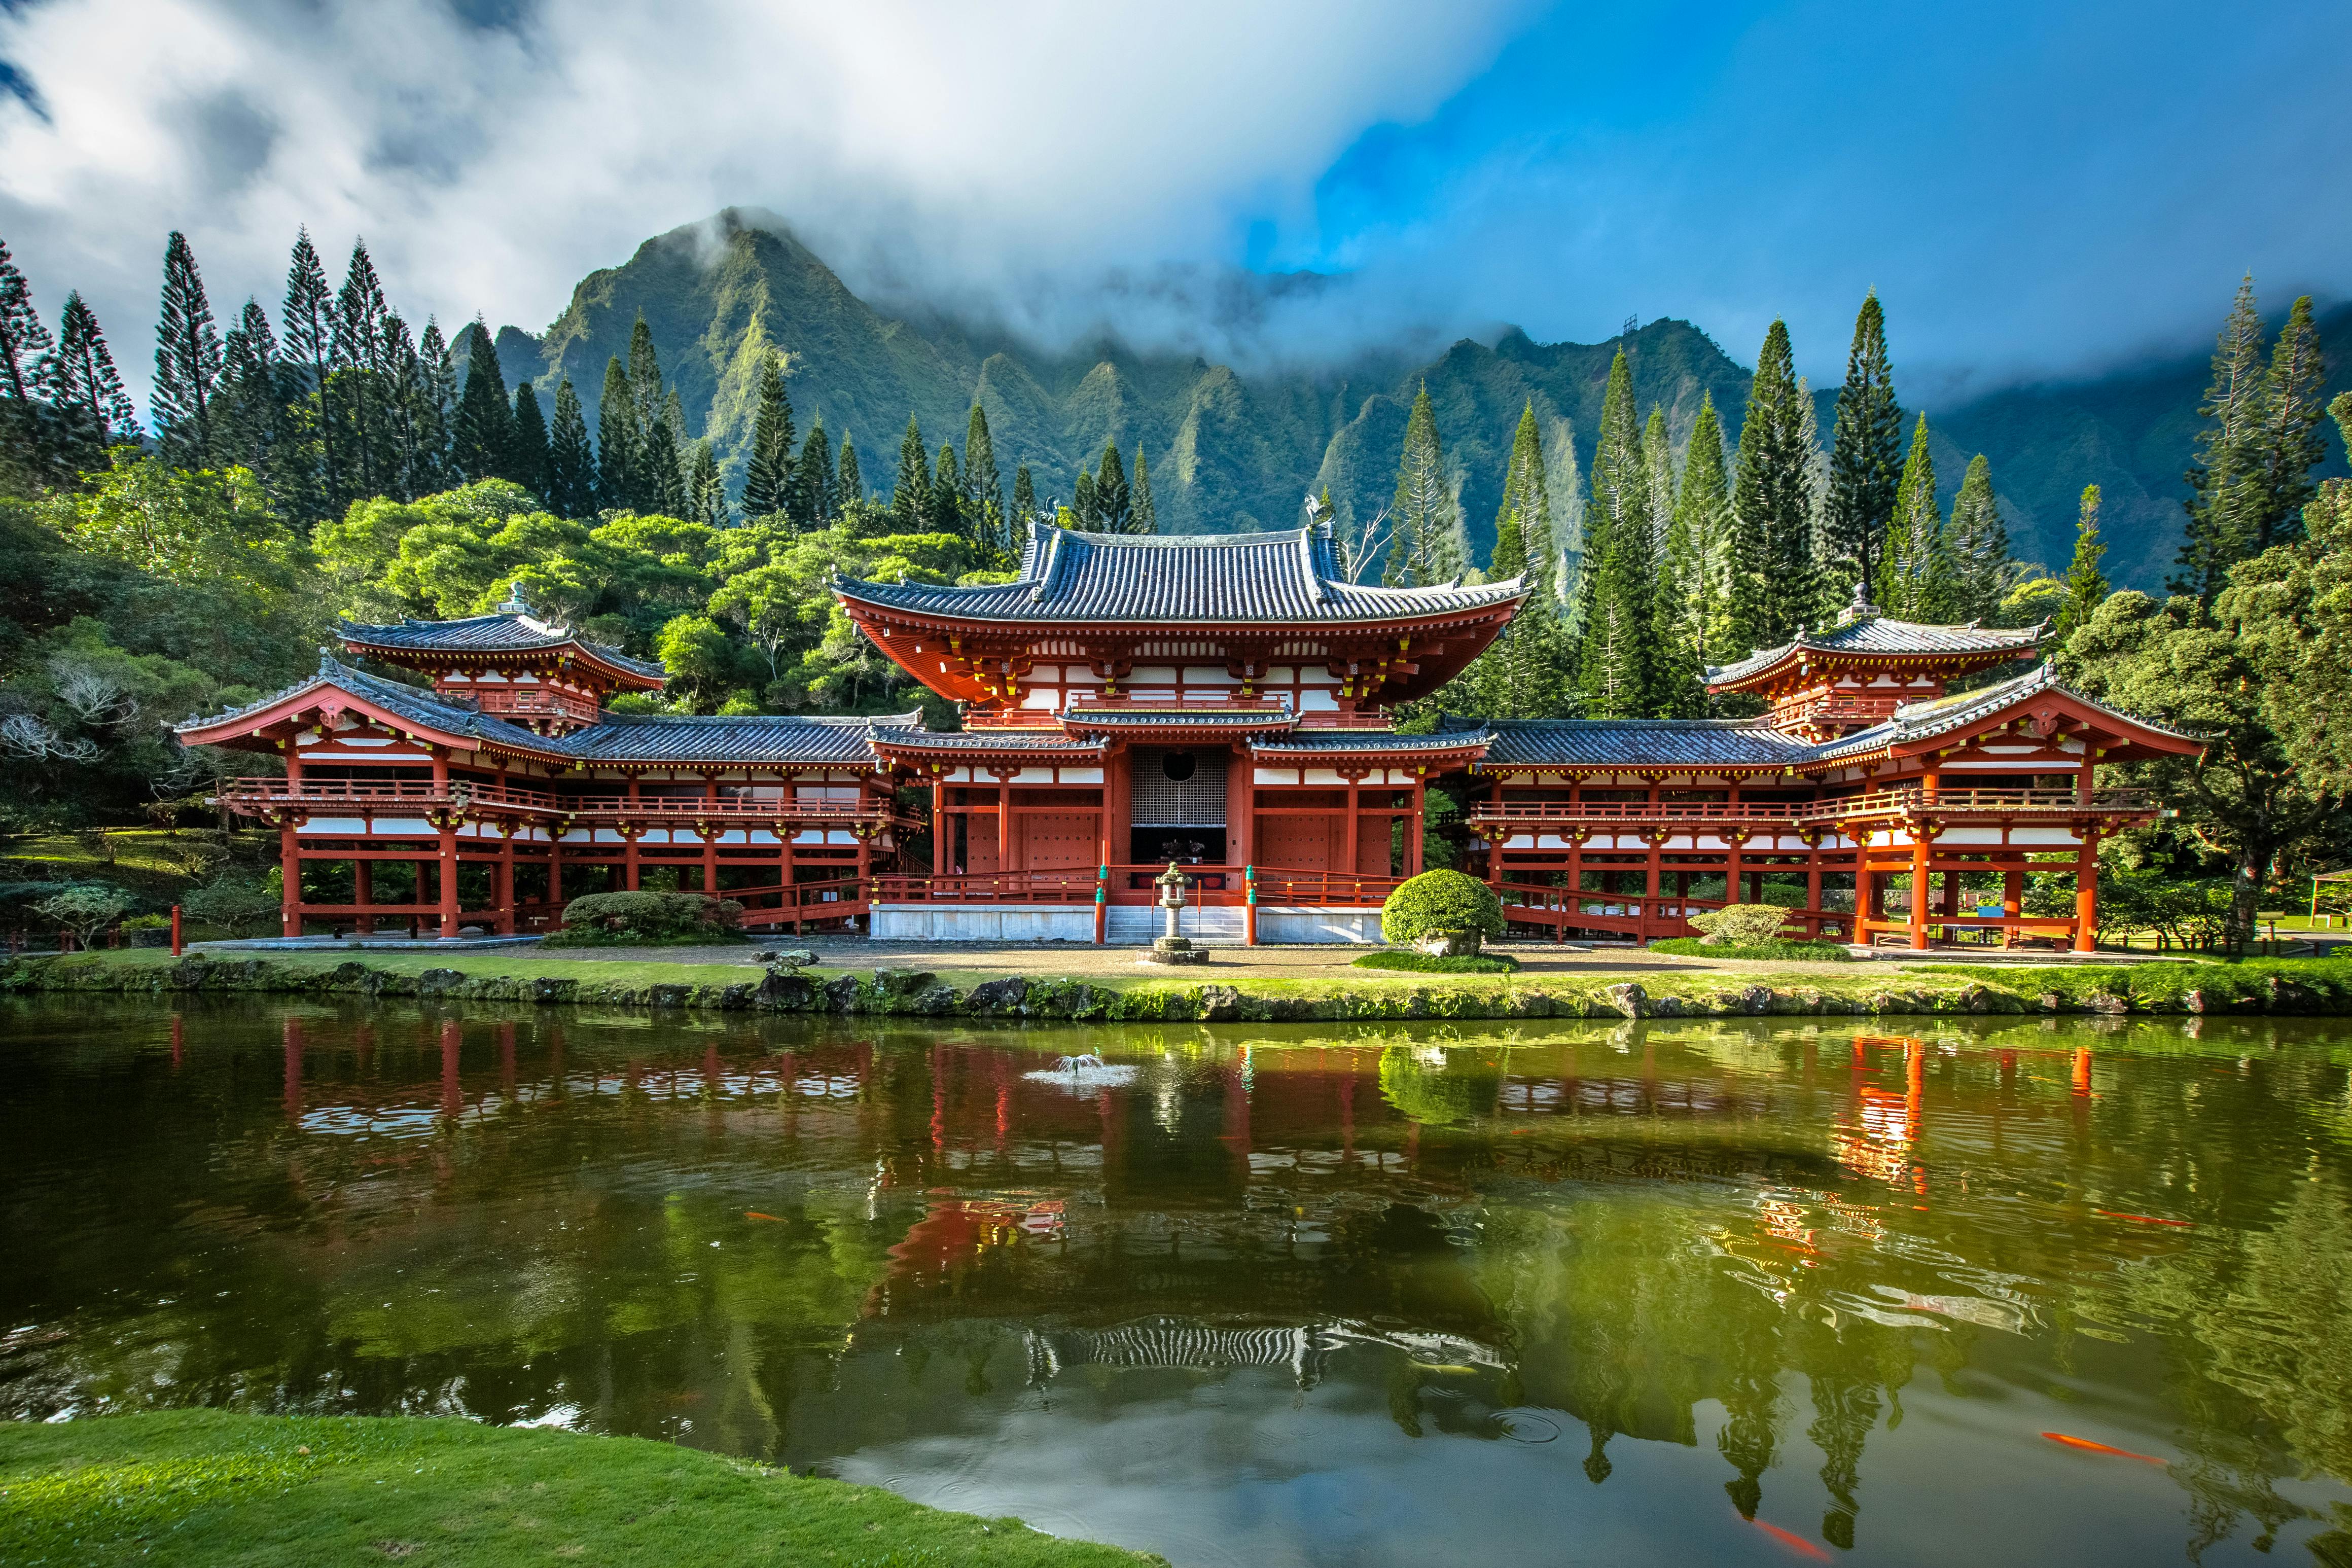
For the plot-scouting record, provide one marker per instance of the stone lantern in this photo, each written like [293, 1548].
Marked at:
[1172, 947]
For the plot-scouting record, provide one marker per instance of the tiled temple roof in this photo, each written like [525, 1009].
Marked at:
[1883, 635]
[508, 632]
[1635, 743]
[981, 741]
[1924, 720]
[1069, 577]
[1377, 742]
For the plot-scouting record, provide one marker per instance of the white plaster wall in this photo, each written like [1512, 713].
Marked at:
[1312, 925]
[998, 922]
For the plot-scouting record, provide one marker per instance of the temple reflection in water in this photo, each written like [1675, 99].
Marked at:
[868, 1246]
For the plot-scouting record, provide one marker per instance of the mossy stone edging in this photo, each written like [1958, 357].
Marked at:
[2288, 986]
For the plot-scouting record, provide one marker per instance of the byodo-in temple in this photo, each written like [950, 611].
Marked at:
[1223, 701]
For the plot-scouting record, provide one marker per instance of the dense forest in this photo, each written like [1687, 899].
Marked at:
[331, 461]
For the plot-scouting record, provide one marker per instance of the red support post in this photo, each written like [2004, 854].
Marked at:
[176, 943]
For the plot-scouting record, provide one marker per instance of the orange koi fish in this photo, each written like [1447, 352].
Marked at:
[755, 1214]
[2145, 1218]
[2088, 1447]
[1793, 1541]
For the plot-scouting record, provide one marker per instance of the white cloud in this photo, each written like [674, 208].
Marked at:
[1000, 150]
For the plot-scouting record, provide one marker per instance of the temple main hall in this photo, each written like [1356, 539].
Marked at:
[1227, 702]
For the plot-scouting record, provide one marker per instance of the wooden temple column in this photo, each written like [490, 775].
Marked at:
[364, 895]
[707, 831]
[1355, 804]
[555, 867]
[502, 889]
[629, 835]
[941, 830]
[1004, 822]
[1241, 808]
[1921, 837]
[2086, 891]
[448, 860]
[1734, 839]
[1412, 837]
[289, 861]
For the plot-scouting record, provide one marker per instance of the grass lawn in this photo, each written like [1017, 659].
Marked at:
[205, 1487]
[521, 963]
[146, 860]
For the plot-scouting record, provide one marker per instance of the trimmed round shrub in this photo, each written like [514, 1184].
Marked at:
[1439, 901]
[618, 919]
[1740, 925]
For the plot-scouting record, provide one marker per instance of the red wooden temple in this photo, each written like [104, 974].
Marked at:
[1225, 702]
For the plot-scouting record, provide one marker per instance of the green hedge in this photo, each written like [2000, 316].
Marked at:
[1440, 964]
[610, 919]
[1440, 900]
[1812, 952]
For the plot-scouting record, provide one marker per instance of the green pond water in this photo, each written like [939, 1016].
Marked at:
[1666, 1293]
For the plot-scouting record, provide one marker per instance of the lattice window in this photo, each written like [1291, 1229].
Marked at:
[1194, 800]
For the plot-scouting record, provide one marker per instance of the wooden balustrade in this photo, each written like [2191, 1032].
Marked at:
[1877, 803]
[278, 794]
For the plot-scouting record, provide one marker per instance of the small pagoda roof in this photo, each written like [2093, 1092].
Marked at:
[1871, 635]
[1370, 742]
[409, 704]
[1067, 576]
[487, 637]
[1925, 721]
[1038, 742]
[1741, 744]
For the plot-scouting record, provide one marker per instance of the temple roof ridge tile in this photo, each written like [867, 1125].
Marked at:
[1884, 635]
[503, 631]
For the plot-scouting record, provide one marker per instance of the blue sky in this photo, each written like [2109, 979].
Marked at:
[2035, 189]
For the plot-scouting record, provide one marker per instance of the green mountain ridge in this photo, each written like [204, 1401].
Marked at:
[1230, 452]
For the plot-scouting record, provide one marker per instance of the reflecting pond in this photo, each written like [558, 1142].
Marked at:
[2028, 1292]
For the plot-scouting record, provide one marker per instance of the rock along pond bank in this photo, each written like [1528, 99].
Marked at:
[2290, 986]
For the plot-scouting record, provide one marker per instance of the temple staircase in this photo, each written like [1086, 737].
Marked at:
[1139, 925]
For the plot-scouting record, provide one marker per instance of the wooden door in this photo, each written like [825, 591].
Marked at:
[1058, 841]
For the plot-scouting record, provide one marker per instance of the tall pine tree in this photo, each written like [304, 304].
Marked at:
[984, 486]
[1146, 510]
[947, 493]
[1024, 512]
[1697, 557]
[911, 495]
[357, 348]
[848, 482]
[2290, 437]
[484, 446]
[665, 476]
[571, 460]
[1618, 666]
[616, 441]
[1680, 691]
[1914, 577]
[436, 406]
[1426, 519]
[2085, 587]
[2225, 479]
[812, 482]
[1979, 545]
[1114, 502]
[24, 340]
[307, 319]
[768, 473]
[706, 490]
[528, 450]
[1082, 501]
[1524, 673]
[82, 375]
[188, 361]
[1865, 454]
[249, 410]
[1773, 591]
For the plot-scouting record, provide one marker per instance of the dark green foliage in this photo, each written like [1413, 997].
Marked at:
[238, 904]
[1865, 454]
[1427, 521]
[1774, 588]
[707, 492]
[1440, 963]
[1694, 575]
[527, 451]
[1784, 952]
[249, 407]
[82, 376]
[1915, 577]
[188, 361]
[616, 442]
[2291, 440]
[1978, 540]
[1114, 500]
[662, 474]
[1439, 901]
[1525, 672]
[984, 485]
[813, 480]
[1082, 501]
[848, 483]
[1619, 669]
[363, 396]
[24, 341]
[624, 919]
[1025, 510]
[946, 495]
[2086, 588]
[485, 434]
[1147, 512]
[307, 319]
[911, 495]
[768, 472]
[571, 461]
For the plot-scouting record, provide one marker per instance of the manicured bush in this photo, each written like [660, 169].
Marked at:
[613, 920]
[1440, 964]
[1811, 951]
[241, 906]
[1740, 925]
[85, 911]
[1439, 901]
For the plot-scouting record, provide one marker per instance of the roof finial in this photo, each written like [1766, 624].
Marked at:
[326, 660]
[515, 604]
[1861, 609]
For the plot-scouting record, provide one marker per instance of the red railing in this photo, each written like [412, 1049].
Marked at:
[267, 793]
[796, 903]
[1878, 803]
[530, 700]
[1840, 709]
[1640, 916]
[1074, 886]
